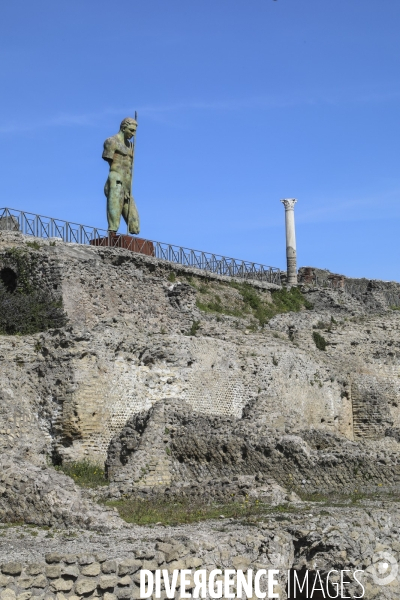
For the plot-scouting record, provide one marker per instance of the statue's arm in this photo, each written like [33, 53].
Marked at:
[108, 151]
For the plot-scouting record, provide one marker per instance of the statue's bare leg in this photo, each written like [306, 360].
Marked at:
[114, 192]
[130, 211]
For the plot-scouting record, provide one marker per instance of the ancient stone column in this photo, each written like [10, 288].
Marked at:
[291, 258]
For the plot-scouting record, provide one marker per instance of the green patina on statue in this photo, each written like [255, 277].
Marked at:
[119, 152]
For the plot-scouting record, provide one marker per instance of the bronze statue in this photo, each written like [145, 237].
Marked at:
[119, 153]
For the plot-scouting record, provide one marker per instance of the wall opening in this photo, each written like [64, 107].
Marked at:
[9, 279]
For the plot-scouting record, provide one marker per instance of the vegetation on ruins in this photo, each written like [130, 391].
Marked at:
[194, 328]
[84, 473]
[25, 310]
[176, 511]
[25, 314]
[319, 340]
[250, 302]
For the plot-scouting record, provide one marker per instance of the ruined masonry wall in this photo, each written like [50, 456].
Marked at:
[128, 345]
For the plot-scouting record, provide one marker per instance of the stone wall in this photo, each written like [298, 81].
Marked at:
[128, 345]
[114, 577]
[174, 450]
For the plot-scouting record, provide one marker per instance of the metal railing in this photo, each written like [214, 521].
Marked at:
[48, 227]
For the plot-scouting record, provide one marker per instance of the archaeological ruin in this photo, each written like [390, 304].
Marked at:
[184, 383]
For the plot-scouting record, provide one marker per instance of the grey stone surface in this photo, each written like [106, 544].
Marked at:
[43, 496]
[306, 536]
[240, 408]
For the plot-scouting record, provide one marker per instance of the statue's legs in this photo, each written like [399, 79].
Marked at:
[115, 201]
[131, 215]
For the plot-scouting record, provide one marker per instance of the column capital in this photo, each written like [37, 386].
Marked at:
[289, 203]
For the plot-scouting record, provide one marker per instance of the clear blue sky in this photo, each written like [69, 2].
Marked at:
[241, 103]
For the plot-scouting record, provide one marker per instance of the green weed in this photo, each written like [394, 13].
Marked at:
[84, 473]
[319, 340]
[35, 245]
[194, 328]
[169, 512]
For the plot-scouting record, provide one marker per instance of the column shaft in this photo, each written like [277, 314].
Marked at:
[291, 257]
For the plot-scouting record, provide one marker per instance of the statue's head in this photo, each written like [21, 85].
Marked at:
[128, 127]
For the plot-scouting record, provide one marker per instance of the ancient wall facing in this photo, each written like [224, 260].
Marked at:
[194, 455]
[113, 576]
[127, 345]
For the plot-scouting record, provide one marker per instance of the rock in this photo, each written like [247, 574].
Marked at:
[129, 566]
[85, 586]
[125, 581]
[91, 570]
[53, 557]
[109, 566]
[8, 595]
[61, 585]
[108, 581]
[53, 571]
[11, 568]
[70, 571]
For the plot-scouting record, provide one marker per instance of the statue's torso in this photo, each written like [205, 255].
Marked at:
[120, 157]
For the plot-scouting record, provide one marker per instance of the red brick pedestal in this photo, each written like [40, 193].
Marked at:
[125, 241]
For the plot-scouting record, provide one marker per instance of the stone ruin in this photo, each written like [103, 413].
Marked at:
[186, 401]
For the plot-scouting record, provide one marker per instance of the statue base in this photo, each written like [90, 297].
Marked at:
[127, 242]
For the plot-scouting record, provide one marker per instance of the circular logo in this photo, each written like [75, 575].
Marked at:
[384, 568]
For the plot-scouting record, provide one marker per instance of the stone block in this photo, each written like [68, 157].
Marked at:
[164, 547]
[11, 568]
[85, 586]
[25, 582]
[108, 596]
[129, 566]
[109, 566]
[171, 555]
[8, 595]
[177, 564]
[192, 562]
[124, 593]
[159, 557]
[91, 570]
[24, 596]
[34, 569]
[53, 571]
[101, 557]
[86, 559]
[241, 562]
[5, 580]
[70, 571]
[61, 585]
[40, 581]
[108, 581]
[53, 557]
[150, 565]
[125, 581]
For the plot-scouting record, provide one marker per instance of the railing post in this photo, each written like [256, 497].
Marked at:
[41, 226]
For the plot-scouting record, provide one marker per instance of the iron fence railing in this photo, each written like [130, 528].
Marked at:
[48, 227]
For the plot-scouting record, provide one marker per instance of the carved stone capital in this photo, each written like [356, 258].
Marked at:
[289, 203]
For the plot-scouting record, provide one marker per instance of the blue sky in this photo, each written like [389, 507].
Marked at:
[240, 104]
